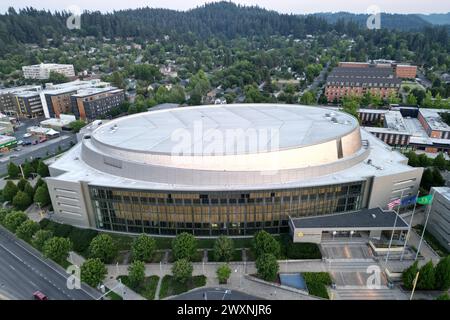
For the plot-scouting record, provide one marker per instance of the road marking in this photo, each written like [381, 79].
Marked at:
[12, 267]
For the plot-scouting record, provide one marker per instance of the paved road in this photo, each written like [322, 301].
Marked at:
[23, 271]
[215, 294]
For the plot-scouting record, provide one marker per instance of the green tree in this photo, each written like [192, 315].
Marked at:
[103, 248]
[440, 162]
[29, 190]
[267, 267]
[444, 297]
[40, 237]
[182, 270]
[136, 273]
[143, 248]
[308, 98]
[39, 182]
[93, 272]
[428, 101]
[77, 125]
[21, 184]
[9, 191]
[427, 280]
[56, 78]
[223, 273]
[442, 273]
[42, 169]
[57, 249]
[409, 275]
[264, 243]
[350, 105]
[3, 213]
[27, 229]
[223, 249]
[14, 219]
[42, 196]
[184, 246]
[13, 170]
[27, 169]
[411, 100]
[21, 200]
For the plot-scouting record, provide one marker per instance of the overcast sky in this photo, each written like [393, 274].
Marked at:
[286, 6]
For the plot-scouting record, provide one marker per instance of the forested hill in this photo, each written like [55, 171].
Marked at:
[220, 19]
[404, 22]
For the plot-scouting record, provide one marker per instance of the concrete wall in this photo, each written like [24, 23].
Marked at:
[387, 188]
[68, 202]
[439, 221]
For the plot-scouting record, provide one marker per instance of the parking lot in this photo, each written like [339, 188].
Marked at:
[37, 150]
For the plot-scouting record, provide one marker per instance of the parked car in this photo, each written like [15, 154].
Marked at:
[39, 296]
[35, 142]
[27, 135]
[17, 149]
[20, 142]
[42, 140]
[27, 143]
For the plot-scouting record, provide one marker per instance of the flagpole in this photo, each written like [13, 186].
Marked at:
[410, 226]
[425, 225]
[395, 224]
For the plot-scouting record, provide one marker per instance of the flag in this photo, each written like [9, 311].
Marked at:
[394, 203]
[409, 200]
[425, 200]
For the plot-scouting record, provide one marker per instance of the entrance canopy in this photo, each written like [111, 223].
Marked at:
[372, 220]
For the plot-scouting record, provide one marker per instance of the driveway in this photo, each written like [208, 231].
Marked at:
[347, 251]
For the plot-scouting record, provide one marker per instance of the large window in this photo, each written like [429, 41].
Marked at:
[216, 213]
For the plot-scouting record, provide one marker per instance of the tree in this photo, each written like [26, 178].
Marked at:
[9, 191]
[103, 248]
[77, 125]
[143, 248]
[93, 272]
[442, 274]
[184, 246]
[21, 200]
[14, 219]
[39, 182]
[21, 184]
[57, 249]
[13, 170]
[440, 162]
[308, 98]
[411, 100]
[223, 249]
[444, 297]
[42, 196]
[427, 280]
[29, 190]
[182, 270]
[223, 273]
[27, 169]
[57, 77]
[42, 169]
[3, 213]
[27, 229]
[267, 266]
[409, 275]
[428, 101]
[136, 273]
[350, 105]
[40, 237]
[264, 243]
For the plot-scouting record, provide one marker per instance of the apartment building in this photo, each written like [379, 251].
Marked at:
[42, 71]
[90, 104]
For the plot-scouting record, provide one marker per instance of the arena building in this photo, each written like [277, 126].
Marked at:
[227, 169]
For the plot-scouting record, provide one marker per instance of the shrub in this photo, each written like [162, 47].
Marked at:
[143, 248]
[14, 219]
[265, 243]
[9, 191]
[93, 272]
[223, 273]
[267, 266]
[27, 229]
[22, 200]
[223, 249]
[409, 275]
[442, 274]
[136, 273]
[103, 248]
[184, 246]
[427, 280]
[182, 270]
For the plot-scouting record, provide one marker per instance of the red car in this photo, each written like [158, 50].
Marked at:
[39, 296]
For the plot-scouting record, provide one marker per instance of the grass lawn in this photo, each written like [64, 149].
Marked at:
[237, 256]
[317, 283]
[432, 241]
[170, 287]
[112, 295]
[147, 288]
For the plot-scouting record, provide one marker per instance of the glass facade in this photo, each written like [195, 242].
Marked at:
[237, 213]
